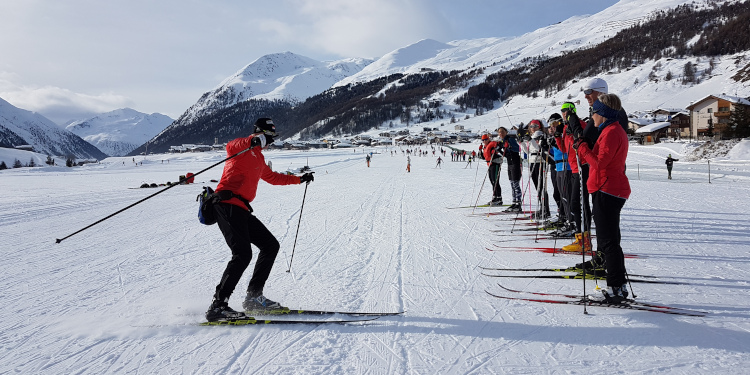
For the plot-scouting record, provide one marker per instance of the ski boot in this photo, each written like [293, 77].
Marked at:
[612, 294]
[582, 241]
[262, 305]
[495, 202]
[220, 310]
[540, 215]
[595, 266]
[515, 207]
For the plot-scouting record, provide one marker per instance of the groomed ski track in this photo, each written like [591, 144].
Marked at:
[126, 295]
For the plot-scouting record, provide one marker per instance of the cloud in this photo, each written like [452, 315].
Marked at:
[58, 104]
[353, 28]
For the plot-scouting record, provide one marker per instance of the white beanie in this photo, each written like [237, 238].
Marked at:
[596, 84]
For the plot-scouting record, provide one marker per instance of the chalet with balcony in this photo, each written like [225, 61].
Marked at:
[713, 111]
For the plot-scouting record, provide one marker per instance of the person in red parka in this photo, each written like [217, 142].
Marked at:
[609, 188]
[241, 229]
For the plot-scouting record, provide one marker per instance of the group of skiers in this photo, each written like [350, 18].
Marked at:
[582, 157]
[585, 160]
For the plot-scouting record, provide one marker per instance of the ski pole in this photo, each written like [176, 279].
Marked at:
[298, 224]
[480, 190]
[149, 197]
[583, 227]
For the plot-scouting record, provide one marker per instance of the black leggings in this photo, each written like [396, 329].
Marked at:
[241, 229]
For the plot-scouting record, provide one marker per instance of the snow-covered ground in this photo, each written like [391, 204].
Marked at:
[126, 295]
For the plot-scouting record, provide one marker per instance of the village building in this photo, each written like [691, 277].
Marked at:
[711, 114]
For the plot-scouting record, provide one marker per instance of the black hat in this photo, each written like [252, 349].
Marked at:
[554, 117]
[265, 125]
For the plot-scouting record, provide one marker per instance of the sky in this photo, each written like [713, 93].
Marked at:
[71, 59]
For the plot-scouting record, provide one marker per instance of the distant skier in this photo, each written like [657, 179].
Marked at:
[439, 160]
[408, 164]
[669, 162]
[237, 188]
[368, 161]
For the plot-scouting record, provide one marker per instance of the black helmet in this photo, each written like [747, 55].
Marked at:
[265, 125]
[554, 117]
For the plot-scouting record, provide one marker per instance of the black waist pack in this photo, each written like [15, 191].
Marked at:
[208, 198]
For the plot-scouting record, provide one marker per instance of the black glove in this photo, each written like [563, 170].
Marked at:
[307, 177]
[559, 129]
[578, 143]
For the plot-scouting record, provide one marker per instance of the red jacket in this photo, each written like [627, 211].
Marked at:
[607, 162]
[565, 144]
[242, 173]
[490, 152]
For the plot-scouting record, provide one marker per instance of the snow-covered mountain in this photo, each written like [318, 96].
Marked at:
[644, 85]
[280, 76]
[43, 134]
[118, 132]
[498, 54]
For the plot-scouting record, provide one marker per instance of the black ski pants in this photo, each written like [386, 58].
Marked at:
[607, 218]
[494, 174]
[556, 191]
[241, 229]
[563, 183]
[575, 198]
[537, 175]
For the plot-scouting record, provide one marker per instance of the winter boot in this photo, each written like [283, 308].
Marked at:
[220, 310]
[262, 305]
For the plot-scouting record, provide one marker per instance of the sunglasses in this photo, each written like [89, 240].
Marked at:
[588, 92]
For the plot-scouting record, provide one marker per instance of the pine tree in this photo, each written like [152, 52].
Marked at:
[17, 164]
[3, 166]
[688, 73]
[739, 121]
[32, 163]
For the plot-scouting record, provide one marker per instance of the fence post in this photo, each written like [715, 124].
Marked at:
[709, 171]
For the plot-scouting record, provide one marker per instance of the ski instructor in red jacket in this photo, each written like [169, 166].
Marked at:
[609, 188]
[237, 187]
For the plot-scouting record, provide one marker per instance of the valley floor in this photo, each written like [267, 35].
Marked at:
[126, 295]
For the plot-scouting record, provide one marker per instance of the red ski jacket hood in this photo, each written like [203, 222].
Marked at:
[242, 173]
[607, 162]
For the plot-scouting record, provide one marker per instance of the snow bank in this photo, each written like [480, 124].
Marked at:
[711, 150]
[741, 151]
